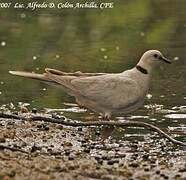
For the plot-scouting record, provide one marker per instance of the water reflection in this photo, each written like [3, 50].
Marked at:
[95, 41]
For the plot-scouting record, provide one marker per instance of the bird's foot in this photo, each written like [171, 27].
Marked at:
[107, 131]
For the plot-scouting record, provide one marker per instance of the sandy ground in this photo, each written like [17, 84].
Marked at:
[60, 152]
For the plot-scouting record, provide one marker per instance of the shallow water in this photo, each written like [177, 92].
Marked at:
[93, 40]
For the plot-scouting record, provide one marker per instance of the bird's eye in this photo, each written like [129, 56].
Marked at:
[155, 55]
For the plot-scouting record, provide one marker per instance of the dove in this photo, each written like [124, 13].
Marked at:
[105, 93]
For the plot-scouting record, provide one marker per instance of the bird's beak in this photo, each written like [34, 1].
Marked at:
[165, 60]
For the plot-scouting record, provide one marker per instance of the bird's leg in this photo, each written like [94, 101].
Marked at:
[105, 118]
[107, 131]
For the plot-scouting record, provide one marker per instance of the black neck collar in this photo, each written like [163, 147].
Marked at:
[142, 70]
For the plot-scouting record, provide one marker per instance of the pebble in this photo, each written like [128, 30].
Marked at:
[67, 153]
[35, 148]
[57, 153]
[39, 126]
[134, 165]
[87, 150]
[2, 140]
[98, 133]
[145, 157]
[59, 126]
[83, 141]
[177, 176]
[100, 161]
[24, 110]
[71, 158]
[106, 158]
[34, 110]
[146, 169]
[182, 170]
[80, 129]
[46, 128]
[111, 162]
[92, 146]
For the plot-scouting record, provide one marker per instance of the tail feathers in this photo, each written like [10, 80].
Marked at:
[41, 77]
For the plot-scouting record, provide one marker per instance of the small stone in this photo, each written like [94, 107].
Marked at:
[146, 169]
[177, 176]
[71, 158]
[12, 173]
[158, 172]
[65, 143]
[98, 133]
[87, 150]
[105, 158]
[134, 146]
[24, 110]
[57, 153]
[111, 162]
[84, 145]
[2, 140]
[34, 110]
[134, 165]
[54, 115]
[59, 127]
[162, 175]
[145, 157]
[100, 161]
[97, 158]
[182, 170]
[92, 146]
[23, 144]
[35, 148]
[49, 149]
[46, 128]
[39, 126]
[80, 129]
[83, 141]
[67, 153]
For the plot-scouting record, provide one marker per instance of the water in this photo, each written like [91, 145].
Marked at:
[94, 40]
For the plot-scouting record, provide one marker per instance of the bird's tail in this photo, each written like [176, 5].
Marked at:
[41, 77]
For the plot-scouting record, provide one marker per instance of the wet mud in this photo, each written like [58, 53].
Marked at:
[55, 151]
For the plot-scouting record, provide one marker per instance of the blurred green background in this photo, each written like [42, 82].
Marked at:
[92, 40]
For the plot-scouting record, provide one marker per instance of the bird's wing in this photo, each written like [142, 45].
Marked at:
[103, 89]
[75, 74]
[109, 90]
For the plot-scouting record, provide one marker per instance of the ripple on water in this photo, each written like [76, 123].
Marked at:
[131, 117]
[73, 109]
[175, 116]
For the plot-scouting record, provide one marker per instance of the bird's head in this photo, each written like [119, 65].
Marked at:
[151, 59]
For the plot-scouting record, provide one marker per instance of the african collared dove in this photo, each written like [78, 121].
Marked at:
[105, 93]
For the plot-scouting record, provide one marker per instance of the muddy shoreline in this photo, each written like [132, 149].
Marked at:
[61, 152]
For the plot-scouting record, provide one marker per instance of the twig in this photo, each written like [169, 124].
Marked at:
[96, 123]
[2, 147]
